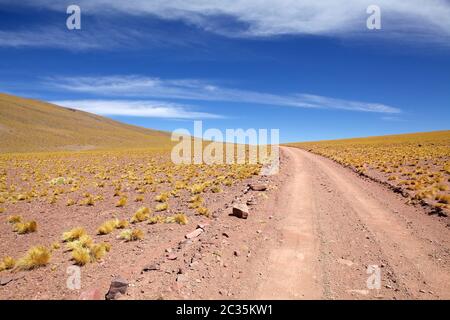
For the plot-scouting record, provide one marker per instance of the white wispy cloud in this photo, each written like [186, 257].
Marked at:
[412, 19]
[191, 89]
[136, 108]
[54, 38]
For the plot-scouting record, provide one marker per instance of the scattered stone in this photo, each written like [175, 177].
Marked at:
[422, 291]
[258, 231]
[240, 211]
[118, 287]
[236, 253]
[172, 256]
[258, 187]
[361, 292]
[184, 243]
[194, 233]
[168, 250]
[251, 202]
[182, 278]
[5, 280]
[150, 267]
[345, 262]
[202, 226]
[91, 294]
[225, 234]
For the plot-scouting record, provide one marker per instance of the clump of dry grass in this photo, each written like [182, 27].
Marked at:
[445, 199]
[203, 211]
[163, 197]
[73, 234]
[25, 227]
[140, 215]
[35, 257]
[81, 256]
[84, 241]
[85, 252]
[121, 224]
[162, 207]
[14, 219]
[122, 202]
[198, 188]
[131, 235]
[181, 218]
[107, 227]
[56, 245]
[156, 219]
[7, 263]
[98, 251]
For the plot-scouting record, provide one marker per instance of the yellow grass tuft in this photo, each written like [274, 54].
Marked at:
[14, 219]
[81, 256]
[163, 197]
[73, 234]
[181, 218]
[156, 219]
[198, 188]
[162, 207]
[7, 263]
[35, 257]
[121, 224]
[107, 227]
[131, 235]
[141, 214]
[445, 199]
[122, 202]
[56, 246]
[203, 211]
[25, 227]
[98, 251]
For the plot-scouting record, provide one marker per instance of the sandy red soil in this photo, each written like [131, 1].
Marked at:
[312, 234]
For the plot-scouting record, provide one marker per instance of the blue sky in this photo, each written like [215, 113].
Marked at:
[311, 69]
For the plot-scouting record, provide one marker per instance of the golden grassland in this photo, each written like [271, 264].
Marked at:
[418, 163]
[68, 165]
[28, 125]
[93, 181]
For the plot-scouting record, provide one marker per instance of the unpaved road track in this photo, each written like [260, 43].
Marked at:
[331, 225]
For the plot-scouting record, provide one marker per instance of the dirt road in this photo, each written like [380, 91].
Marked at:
[335, 232]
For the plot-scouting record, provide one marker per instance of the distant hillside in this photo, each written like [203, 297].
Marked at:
[433, 137]
[28, 125]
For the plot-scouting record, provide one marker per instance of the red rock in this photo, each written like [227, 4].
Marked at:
[258, 187]
[194, 233]
[91, 294]
[172, 256]
[118, 285]
[240, 211]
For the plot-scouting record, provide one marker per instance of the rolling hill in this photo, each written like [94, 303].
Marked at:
[28, 125]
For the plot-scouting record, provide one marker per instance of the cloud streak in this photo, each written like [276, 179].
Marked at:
[136, 108]
[414, 19]
[135, 86]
